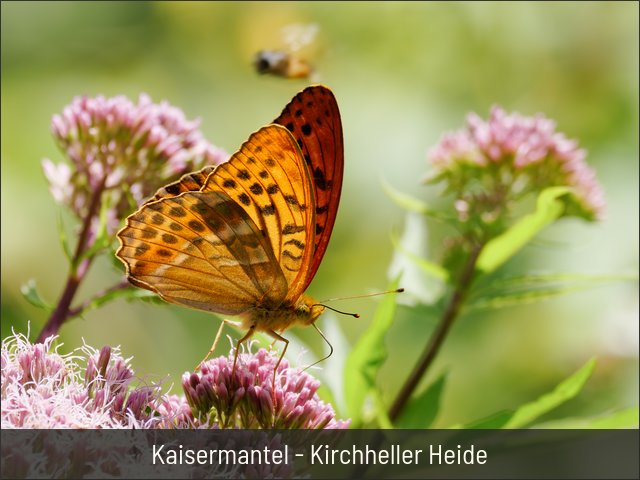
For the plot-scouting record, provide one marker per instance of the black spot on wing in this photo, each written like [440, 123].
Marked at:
[177, 212]
[319, 179]
[148, 233]
[290, 229]
[173, 189]
[287, 253]
[244, 199]
[169, 238]
[296, 243]
[268, 210]
[196, 226]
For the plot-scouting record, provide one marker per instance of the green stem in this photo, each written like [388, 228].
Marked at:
[436, 340]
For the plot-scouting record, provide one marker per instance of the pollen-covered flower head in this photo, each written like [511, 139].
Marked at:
[247, 399]
[491, 163]
[123, 150]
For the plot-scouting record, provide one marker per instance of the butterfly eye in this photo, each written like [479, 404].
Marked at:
[316, 311]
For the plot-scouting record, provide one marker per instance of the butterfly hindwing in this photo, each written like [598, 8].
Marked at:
[313, 119]
[189, 182]
[201, 250]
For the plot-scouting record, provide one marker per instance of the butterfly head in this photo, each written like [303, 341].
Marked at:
[307, 310]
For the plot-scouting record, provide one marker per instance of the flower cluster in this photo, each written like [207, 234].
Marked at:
[500, 160]
[246, 398]
[43, 389]
[123, 152]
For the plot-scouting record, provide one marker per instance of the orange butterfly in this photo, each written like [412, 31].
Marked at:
[247, 237]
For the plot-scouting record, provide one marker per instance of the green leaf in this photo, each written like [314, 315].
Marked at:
[532, 280]
[525, 289]
[381, 412]
[410, 203]
[494, 421]
[128, 293]
[367, 357]
[626, 418]
[423, 408]
[566, 390]
[503, 247]
[519, 298]
[527, 413]
[30, 293]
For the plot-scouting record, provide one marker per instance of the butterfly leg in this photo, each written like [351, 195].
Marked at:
[215, 341]
[276, 337]
[246, 337]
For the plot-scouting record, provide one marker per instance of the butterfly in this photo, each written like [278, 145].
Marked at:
[246, 237]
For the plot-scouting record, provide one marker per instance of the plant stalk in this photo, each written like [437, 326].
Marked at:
[436, 340]
[77, 270]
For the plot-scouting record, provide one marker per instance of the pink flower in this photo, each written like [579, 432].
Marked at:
[122, 149]
[510, 155]
[44, 389]
[246, 399]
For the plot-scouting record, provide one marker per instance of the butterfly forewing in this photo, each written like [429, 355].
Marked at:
[314, 120]
[269, 179]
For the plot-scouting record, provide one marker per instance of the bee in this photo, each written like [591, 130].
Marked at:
[287, 62]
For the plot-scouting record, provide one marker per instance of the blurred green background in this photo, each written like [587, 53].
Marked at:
[403, 73]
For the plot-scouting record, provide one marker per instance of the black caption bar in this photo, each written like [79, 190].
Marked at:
[338, 454]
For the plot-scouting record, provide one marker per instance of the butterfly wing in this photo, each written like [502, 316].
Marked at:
[269, 178]
[313, 119]
[211, 250]
[309, 194]
[242, 240]
[189, 182]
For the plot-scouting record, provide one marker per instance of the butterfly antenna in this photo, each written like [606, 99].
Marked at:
[355, 315]
[325, 339]
[397, 290]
